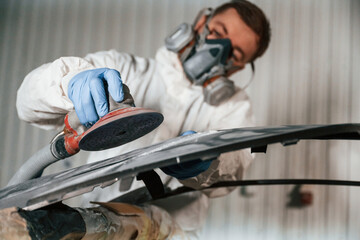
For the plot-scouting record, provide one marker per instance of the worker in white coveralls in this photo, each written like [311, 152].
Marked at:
[179, 83]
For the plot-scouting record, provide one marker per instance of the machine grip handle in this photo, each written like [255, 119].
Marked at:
[127, 102]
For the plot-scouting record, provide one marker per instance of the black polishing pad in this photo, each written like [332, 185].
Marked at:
[119, 127]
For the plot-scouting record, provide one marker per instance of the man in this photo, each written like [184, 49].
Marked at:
[177, 83]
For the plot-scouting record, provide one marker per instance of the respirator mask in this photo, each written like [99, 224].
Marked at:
[205, 61]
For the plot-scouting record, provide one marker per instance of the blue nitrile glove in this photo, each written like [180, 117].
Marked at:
[86, 90]
[188, 169]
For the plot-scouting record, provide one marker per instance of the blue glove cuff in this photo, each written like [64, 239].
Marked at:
[188, 169]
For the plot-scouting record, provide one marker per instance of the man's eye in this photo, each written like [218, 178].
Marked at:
[235, 57]
[217, 34]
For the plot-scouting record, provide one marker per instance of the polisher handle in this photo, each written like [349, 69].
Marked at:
[127, 102]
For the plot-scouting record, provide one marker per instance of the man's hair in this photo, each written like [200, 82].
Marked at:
[254, 18]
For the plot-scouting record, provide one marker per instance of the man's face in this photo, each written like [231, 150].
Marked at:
[229, 24]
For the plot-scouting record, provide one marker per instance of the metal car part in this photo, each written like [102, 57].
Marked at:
[54, 188]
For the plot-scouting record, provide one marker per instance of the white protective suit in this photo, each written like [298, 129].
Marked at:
[158, 84]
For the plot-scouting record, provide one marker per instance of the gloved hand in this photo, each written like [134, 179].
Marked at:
[188, 169]
[87, 91]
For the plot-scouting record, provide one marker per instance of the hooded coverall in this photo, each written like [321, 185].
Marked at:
[159, 84]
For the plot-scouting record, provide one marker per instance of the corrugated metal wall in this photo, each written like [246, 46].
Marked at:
[310, 74]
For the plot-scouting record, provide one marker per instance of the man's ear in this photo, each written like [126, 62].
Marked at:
[199, 26]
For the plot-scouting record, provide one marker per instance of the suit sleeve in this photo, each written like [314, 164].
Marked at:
[42, 99]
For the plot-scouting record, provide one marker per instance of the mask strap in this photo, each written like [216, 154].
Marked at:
[201, 37]
[204, 11]
[206, 30]
[252, 75]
